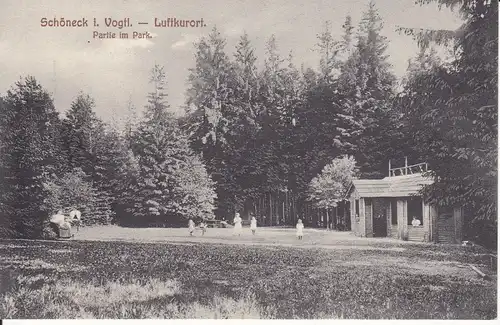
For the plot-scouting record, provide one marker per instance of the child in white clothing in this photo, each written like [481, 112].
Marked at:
[203, 228]
[300, 227]
[237, 224]
[191, 227]
[253, 225]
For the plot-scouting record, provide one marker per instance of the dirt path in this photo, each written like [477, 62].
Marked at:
[313, 238]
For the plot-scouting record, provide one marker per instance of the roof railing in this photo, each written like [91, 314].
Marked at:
[408, 170]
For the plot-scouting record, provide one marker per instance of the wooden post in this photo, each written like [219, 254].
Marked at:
[389, 168]
[362, 219]
[406, 165]
[457, 220]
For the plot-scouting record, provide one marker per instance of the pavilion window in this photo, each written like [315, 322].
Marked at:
[394, 212]
[356, 203]
[415, 209]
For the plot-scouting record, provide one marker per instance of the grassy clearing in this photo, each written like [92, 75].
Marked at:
[40, 296]
[268, 237]
[147, 280]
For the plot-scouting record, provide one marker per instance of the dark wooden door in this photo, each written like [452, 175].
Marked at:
[446, 226]
[379, 225]
[379, 218]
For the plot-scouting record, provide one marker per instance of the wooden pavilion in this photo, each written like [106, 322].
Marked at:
[386, 208]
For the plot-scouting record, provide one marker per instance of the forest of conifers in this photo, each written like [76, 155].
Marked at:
[250, 132]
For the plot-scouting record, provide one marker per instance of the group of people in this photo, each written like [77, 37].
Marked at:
[192, 227]
[238, 227]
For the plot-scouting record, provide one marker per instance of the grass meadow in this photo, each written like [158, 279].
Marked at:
[249, 277]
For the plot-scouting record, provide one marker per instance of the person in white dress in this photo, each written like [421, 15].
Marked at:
[415, 222]
[76, 216]
[300, 228]
[253, 225]
[191, 227]
[237, 224]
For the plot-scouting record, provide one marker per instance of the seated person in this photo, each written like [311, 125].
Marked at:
[415, 222]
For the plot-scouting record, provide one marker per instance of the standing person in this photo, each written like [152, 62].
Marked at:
[203, 228]
[237, 224]
[191, 227]
[76, 218]
[300, 228]
[253, 225]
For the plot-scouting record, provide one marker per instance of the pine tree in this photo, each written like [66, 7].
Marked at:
[426, 60]
[207, 95]
[346, 42]
[244, 114]
[116, 171]
[210, 110]
[31, 155]
[367, 85]
[328, 48]
[80, 133]
[94, 147]
[130, 121]
[454, 110]
[172, 184]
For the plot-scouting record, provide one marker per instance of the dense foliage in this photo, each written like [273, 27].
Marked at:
[328, 188]
[451, 112]
[31, 154]
[270, 131]
[171, 183]
[255, 136]
[72, 190]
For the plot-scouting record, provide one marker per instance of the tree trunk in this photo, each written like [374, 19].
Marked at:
[270, 209]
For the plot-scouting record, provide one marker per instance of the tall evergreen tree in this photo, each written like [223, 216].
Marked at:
[244, 116]
[166, 163]
[94, 147]
[346, 42]
[208, 93]
[328, 48]
[130, 121]
[208, 106]
[368, 86]
[454, 112]
[80, 135]
[31, 155]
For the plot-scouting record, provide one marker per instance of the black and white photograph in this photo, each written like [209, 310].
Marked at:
[249, 159]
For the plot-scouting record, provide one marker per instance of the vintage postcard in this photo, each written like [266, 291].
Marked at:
[266, 159]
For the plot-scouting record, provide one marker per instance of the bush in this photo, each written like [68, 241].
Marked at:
[72, 191]
[49, 231]
[482, 232]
